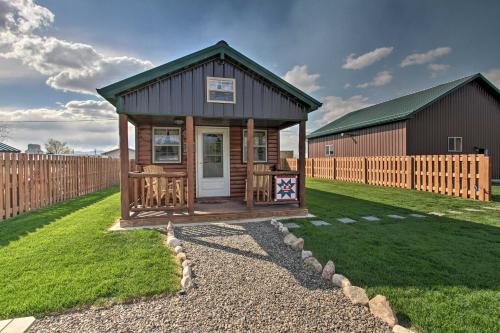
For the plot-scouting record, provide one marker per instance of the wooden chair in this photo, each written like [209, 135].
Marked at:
[261, 184]
[166, 190]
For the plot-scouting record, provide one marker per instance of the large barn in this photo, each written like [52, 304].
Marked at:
[459, 117]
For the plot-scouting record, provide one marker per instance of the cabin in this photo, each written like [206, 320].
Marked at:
[207, 140]
[458, 117]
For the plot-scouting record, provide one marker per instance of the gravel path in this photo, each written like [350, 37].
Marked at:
[246, 279]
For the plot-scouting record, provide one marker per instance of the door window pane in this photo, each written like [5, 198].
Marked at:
[213, 165]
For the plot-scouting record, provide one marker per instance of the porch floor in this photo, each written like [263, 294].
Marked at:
[212, 210]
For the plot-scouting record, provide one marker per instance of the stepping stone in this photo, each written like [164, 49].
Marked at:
[346, 220]
[436, 213]
[417, 215]
[454, 212]
[18, 325]
[371, 218]
[292, 225]
[4, 323]
[473, 210]
[398, 217]
[319, 223]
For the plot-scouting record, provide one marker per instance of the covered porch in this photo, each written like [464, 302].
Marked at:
[173, 192]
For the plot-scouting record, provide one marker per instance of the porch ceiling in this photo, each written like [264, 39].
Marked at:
[209, 121]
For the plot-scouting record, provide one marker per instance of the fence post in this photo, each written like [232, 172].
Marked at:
[410, 169]
[484, 185]
[312, 167]
[334, 167]
[365, 171]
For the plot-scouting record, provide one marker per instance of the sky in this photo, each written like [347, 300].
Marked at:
[347, 54]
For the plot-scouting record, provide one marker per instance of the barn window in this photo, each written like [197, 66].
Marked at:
[166, 145]
[259, 146]
[221, 90]
[455, 144]
[328, 150]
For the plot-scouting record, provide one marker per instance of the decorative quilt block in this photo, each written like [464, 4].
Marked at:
[285, 188]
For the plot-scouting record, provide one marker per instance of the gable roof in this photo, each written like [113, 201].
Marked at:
[8, 149]
[221, 49]
[396, 109]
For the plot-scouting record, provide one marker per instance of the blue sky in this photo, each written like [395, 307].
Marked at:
[348, 54]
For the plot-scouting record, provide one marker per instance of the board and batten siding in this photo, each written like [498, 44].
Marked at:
[184, 93]
[237, 167]
[470, 112]
[383, 140]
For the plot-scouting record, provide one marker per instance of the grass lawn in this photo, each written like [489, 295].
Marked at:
[442, 274]
[62, 257]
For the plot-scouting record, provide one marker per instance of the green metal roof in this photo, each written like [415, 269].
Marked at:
[8, 149]
[221, 49]
[394, 110]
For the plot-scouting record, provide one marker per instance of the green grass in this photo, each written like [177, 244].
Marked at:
[442, 274]
[63, 257]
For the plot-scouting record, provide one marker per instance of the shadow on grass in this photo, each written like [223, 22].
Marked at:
[16, 227]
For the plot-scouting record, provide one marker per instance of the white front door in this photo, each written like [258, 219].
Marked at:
[212, 162]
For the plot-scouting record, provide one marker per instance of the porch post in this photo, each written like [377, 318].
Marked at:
[124, 165]
[250, 163]
[190, 163]
[302, 164]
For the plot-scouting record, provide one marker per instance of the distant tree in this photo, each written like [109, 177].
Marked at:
[57, 147]
[4, 132]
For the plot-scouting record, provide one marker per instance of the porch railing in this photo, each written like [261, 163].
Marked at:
[264, 187]
[157, 191]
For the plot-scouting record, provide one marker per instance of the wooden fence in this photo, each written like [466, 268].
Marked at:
[31, 181]
[468, 176]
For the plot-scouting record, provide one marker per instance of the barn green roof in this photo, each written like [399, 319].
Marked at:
[220, 49]
[396, 109]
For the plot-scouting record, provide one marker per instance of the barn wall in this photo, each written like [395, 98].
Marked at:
[388, 139]
[470, 112]
[184, 93]
[237, 167]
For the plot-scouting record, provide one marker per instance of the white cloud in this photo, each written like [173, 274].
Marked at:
[424, 58]
[101, 134]
[381, 79]
[366, 59]
[69, 66]
[335, 107]
[302, 79]
[494, 76]
[438, 68]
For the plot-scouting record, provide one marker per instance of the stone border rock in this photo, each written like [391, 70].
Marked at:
[176, 245]
[379, 305]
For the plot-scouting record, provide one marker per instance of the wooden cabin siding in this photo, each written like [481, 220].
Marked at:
[237, 167]
[471, 112]
[184, 93]
[383, 140]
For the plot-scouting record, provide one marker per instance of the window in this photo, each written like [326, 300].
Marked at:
[221, 90]
[455, 144]
[328, 150]
[259, 146]
[166, 145]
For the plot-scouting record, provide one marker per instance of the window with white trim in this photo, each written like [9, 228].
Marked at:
[455, 144]
[259, 146]
[328, 150]
[167, 144]
[221, 90]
